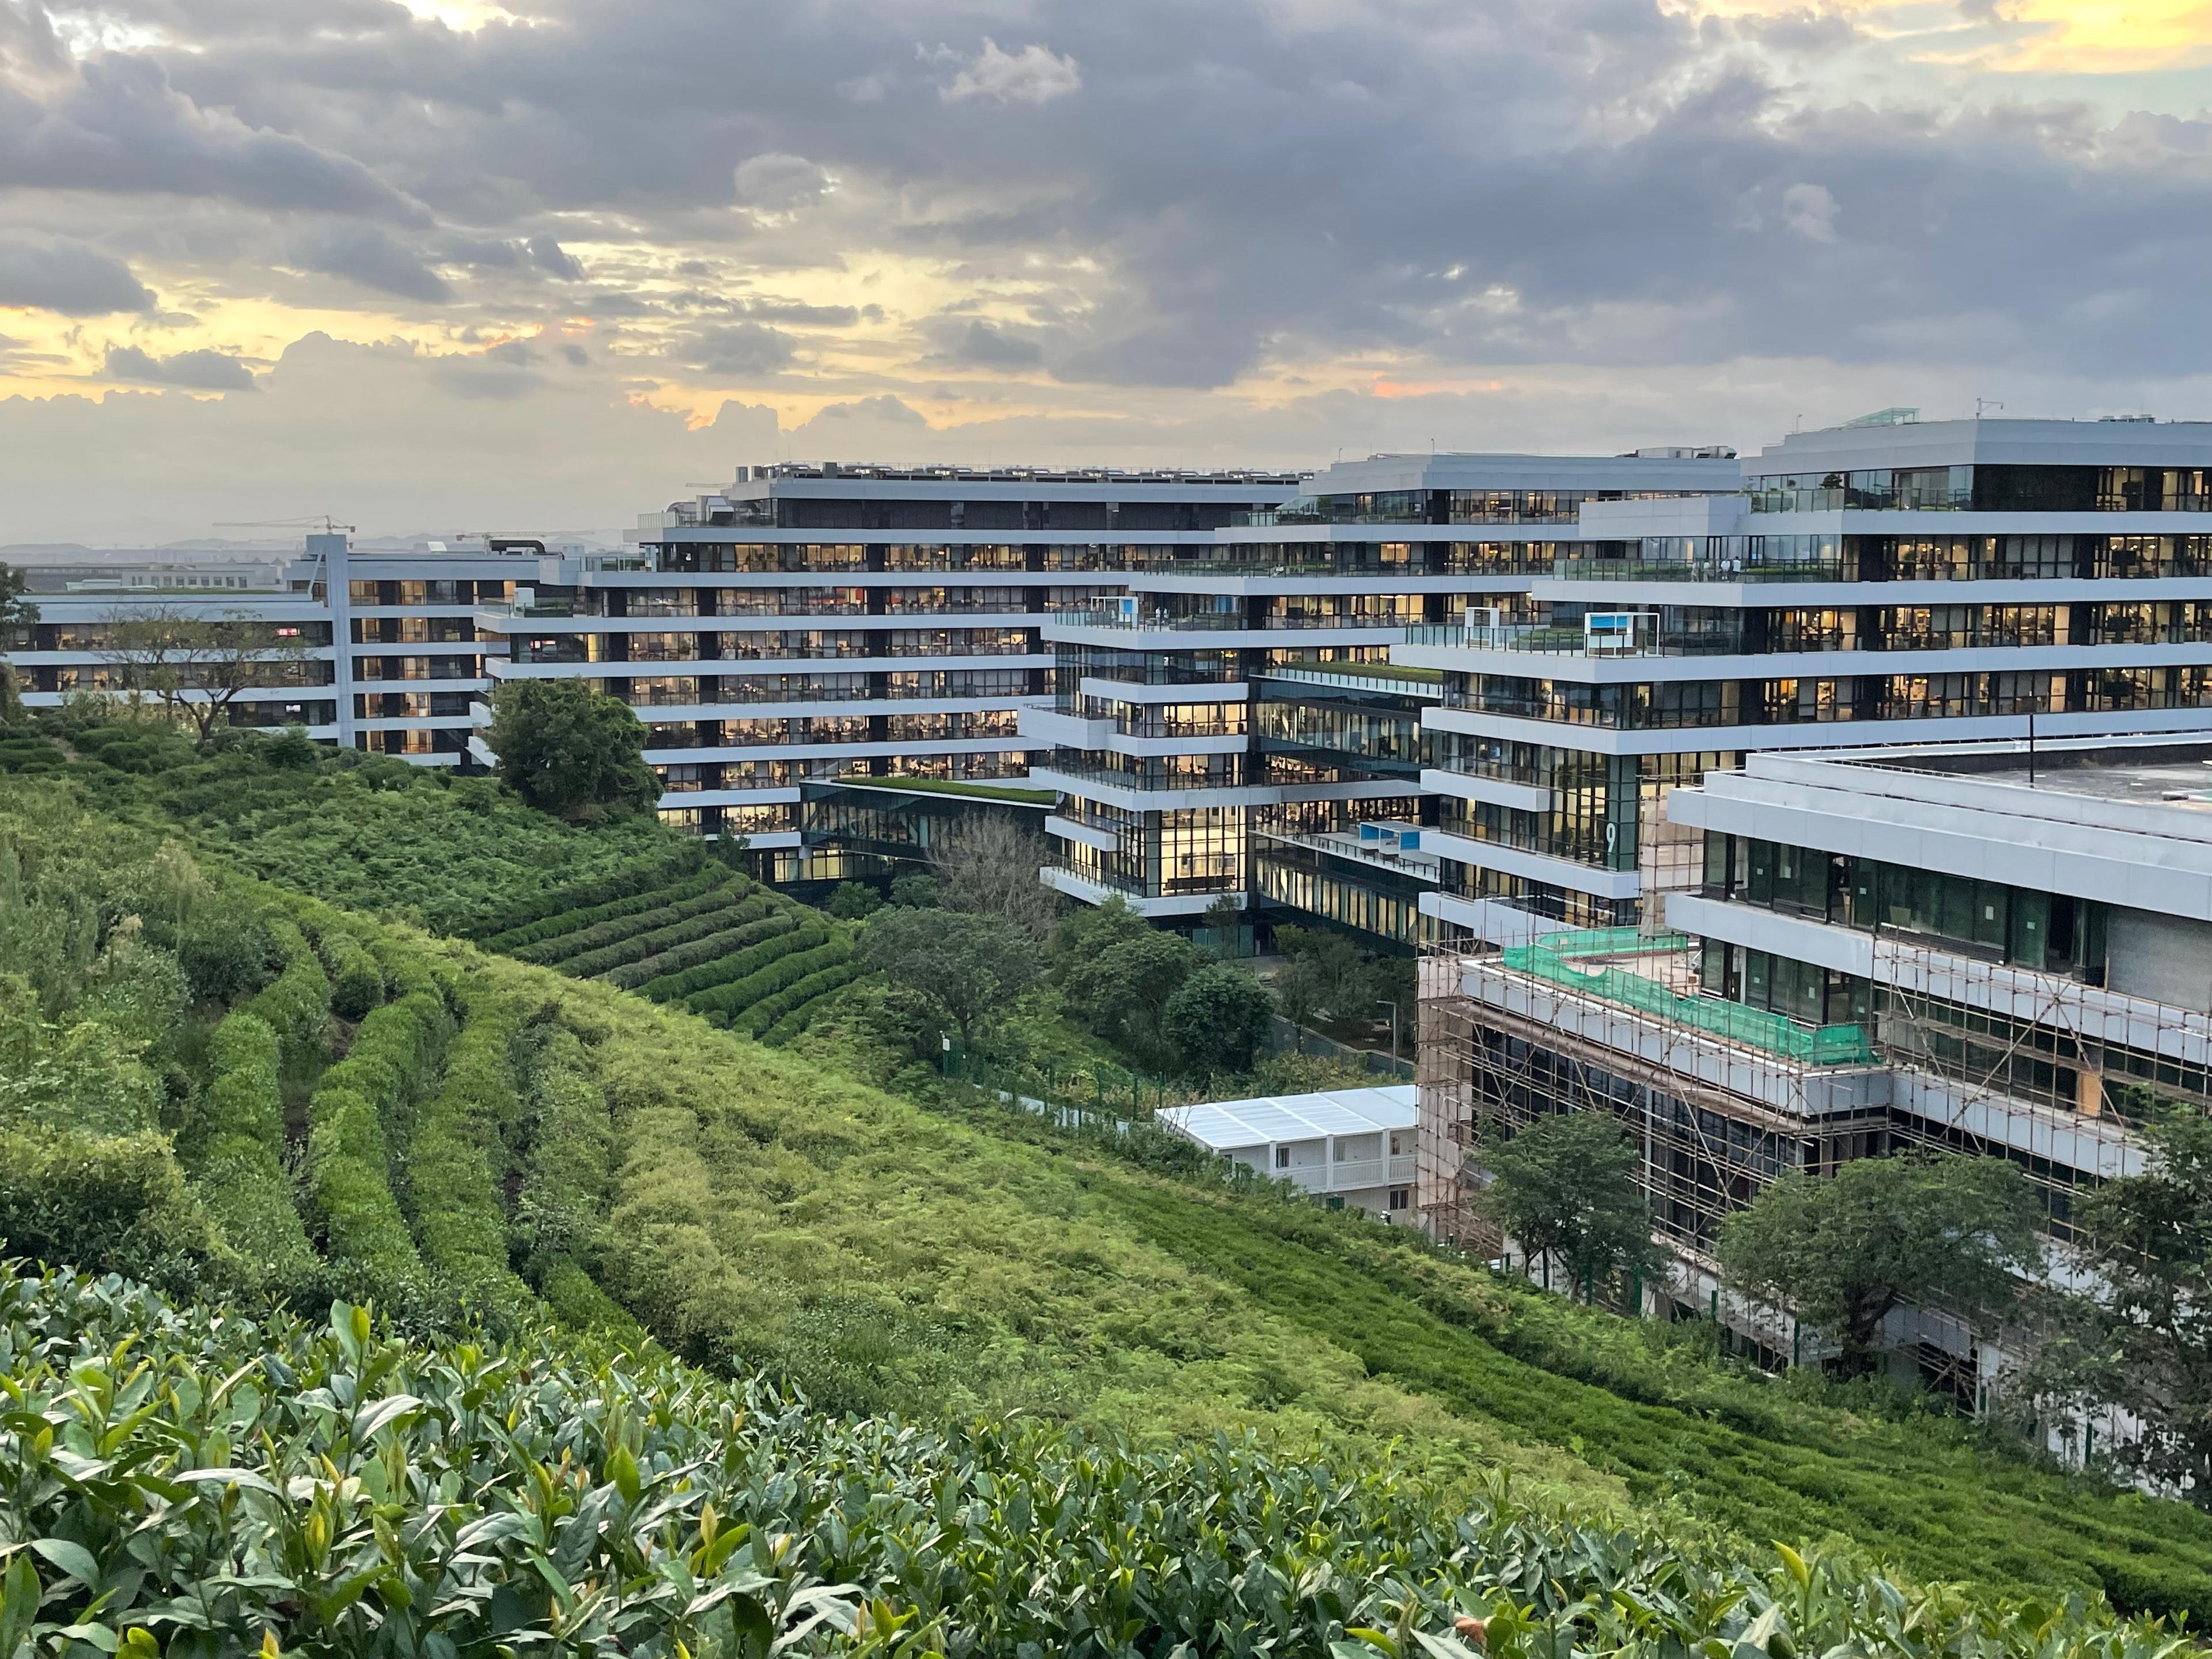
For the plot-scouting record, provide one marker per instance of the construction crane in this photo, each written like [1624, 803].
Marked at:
[329, 525]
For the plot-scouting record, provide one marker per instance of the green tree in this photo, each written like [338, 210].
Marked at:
[1324, 972]
[1122, 993]
[1881, 1233]
[16, 616]
[915, 892]
[1218, 1018]
[851, 901]
[570, 751]
[15, 611]
[971, 967]
[1088, 930]
[198, 665]
[991, 867]
[1226, 917]
[2141, 1339]
[1566, 1187]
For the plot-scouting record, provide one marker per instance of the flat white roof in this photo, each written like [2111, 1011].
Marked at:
[1222, 1124]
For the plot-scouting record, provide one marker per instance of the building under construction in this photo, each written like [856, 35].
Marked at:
[1967, 949]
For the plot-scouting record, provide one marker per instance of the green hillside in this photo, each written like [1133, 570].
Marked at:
[224, 1086]
[218, 1487]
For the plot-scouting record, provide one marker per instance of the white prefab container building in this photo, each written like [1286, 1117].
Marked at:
[1355, 1144]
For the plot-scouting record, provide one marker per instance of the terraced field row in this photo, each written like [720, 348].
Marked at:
[719, 942]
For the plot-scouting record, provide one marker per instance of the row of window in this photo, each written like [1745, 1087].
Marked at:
[1446, 506]
[2050, 933]
[1693, 703]
[715, 558]
[413, 630]
[842, 728]
[808, 643]
[386, 594]
[417, 668]
[1989, 489]
[648, 604]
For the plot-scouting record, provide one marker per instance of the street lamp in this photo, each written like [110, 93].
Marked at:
[1391, 1002]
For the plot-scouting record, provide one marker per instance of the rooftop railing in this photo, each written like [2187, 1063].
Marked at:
[1575, 641]
[1220, 622]
[1698, 570]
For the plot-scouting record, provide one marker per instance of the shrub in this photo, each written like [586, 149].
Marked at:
[574, 920]
[297, 1001]
[792, 1527]
[679, 958]
[770, 1012]
[914, 892]
[690, 931]
[725, 1000]
[110, 1203]
[356, 980]
[234, 1154]
[852, 901]
[552, 952]
[454, 1184]
[790, 933]
[348, 1154]
[560, 1211]
[788, 1028]
[639, 876]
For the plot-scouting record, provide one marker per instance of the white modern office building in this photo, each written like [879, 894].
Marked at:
[805, 624]
[1233, 723]
[809, 623]
[373, 647]
[1350, 1147]
[1888, 581]
[1982, 948]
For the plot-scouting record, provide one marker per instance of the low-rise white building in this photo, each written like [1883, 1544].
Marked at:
[1355, 1146]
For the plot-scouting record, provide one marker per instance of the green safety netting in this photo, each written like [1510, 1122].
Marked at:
[1611, 941]
[1549, 958]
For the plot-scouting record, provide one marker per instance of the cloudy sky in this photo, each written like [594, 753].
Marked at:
[452, 265]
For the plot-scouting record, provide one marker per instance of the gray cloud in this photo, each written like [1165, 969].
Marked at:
[68, 277]
[1586, 194]
[740, 350]
[971, 342]
[794, 311]
[549, 256]
[486, 378]
[776, 182]
[1035, 75]
[364, 254]
[193, 371]
[122, 127]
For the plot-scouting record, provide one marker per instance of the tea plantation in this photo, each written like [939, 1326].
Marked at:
[223, 1087]
[723, 946]
[173, 1481]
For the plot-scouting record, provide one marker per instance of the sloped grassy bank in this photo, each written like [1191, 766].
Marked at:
[176, 1482]
[231, 1088]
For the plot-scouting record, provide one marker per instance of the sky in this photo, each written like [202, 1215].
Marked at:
[456, 266]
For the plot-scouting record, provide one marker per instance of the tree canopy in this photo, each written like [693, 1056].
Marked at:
[1842, 1250]
[989, 865]
[972, 967]
[1564, 1188]
[1325, 972]
[571, 751]
[2141, 1336]
[1218, 1018]
[198, 665]
[1122, 991]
